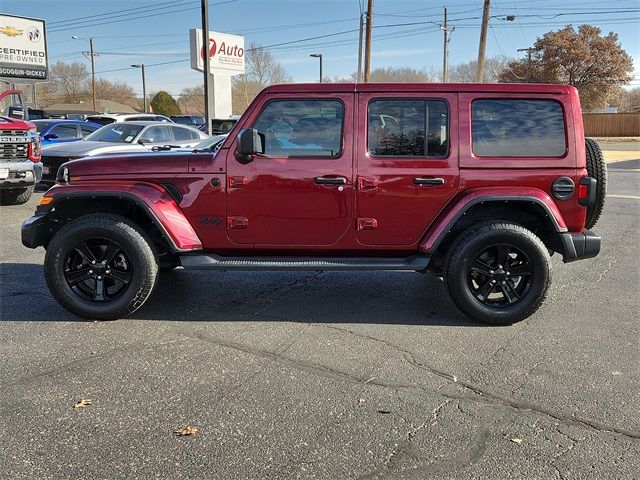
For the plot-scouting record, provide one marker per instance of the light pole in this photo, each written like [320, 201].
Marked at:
[318, 55]
[144, 86]
[93, 68]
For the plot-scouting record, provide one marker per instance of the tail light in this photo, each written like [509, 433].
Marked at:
[587, 191]
[35, 149]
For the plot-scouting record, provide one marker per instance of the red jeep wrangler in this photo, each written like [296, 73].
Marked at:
[478, 183]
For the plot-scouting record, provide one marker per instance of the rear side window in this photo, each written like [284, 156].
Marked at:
[87, 130]
[302, 128]
[408, 128]
[518, 128]
[180, 134]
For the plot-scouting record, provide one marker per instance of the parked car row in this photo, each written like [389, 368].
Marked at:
[128, 136]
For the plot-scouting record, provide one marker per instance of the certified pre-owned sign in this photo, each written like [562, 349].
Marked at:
[23, 48]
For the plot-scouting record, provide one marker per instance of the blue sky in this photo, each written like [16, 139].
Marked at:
[407, 32]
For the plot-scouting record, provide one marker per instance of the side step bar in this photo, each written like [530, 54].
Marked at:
[215, 262]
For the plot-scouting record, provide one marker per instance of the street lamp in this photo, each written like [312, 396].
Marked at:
[144, 86]
[318, 55]
[93, 68]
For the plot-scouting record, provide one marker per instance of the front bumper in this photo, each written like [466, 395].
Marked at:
[21, 174]
[36, 230]
[578, 246]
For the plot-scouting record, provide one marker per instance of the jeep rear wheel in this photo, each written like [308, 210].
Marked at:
[101, 267]
[498, 273]
[15, 196]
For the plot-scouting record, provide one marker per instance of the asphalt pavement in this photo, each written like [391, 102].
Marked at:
[326, 375]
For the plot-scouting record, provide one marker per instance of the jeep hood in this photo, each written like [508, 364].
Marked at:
[126, 165]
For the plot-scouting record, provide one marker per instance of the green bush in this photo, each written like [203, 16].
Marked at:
[164, 104]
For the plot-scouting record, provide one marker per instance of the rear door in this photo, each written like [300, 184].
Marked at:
[298, 194]
[407, 164]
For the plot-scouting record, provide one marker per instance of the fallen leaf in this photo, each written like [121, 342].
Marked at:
[616, 373]
[455, 379]
[517, 440]
[183, 432]
[361, 400]
[82, 403]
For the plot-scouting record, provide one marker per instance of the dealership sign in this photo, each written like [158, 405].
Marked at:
[226, 52]
[23, 48]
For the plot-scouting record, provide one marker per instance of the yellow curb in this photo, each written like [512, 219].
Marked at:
[615, 156]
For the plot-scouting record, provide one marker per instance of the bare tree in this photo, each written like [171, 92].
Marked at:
[627, 100]
[262, 70]
[119, 92]
[68, 83]
[466, 72]
[191, 99]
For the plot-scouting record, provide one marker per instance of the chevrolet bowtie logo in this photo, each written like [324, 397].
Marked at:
[11, 31]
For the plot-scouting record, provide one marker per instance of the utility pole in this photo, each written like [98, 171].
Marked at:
[445, 59]
[318, 56]
[528, 50]
[483, 41]
[93, 74]
[207, 68]
[367, 53]
[144, 86]
[93, 67]
[360, 47]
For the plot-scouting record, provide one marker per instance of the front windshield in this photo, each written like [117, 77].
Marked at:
[115, 133]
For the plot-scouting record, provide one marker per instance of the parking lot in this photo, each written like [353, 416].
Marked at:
[327, 375]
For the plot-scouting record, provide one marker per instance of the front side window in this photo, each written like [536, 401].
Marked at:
[302, 128]
[517, 128]
[408, 128]
[65, 132]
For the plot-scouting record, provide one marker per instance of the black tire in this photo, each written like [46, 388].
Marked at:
[16, 196]
[483, 280]
[596, 168]
[127, 276]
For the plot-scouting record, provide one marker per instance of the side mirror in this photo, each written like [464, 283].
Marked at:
[250, 142]
[51, 136]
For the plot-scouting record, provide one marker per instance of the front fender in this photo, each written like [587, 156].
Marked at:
[463, 202]
[154, 200]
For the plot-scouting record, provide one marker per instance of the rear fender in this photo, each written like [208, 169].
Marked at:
[461, 204]
[154, 200]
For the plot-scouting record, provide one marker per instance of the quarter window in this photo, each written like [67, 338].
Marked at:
[517, 128]
[408, 128]
[302, 128]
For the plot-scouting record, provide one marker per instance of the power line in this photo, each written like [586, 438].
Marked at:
[79, 26]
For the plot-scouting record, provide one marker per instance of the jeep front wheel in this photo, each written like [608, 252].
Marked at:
[100, 267]
[498, 273]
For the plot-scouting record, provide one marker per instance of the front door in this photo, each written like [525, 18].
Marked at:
[407, 164]
[299, 193]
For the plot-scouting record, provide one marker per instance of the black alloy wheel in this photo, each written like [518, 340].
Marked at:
[98, 269]
[101, 266]
[498, 272]
[500, 275]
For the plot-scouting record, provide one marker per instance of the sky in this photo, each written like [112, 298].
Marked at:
[406, 32]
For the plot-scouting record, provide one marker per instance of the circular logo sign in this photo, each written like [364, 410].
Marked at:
[212, 49]
[33, 33]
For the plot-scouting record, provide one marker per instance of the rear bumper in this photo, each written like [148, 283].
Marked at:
[578, 246]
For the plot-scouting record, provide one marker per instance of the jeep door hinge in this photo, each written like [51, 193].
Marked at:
[368, 183]
[235, 182]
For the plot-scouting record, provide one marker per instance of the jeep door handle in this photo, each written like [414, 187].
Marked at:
[428, 181]
[330, 181]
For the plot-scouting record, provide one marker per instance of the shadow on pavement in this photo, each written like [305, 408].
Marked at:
[304, 297]
[624, 164]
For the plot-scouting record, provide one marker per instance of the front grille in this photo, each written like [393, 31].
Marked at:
[52, 164]
[13, 133]
[14, 151]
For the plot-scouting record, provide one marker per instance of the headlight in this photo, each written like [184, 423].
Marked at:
[63, 175]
